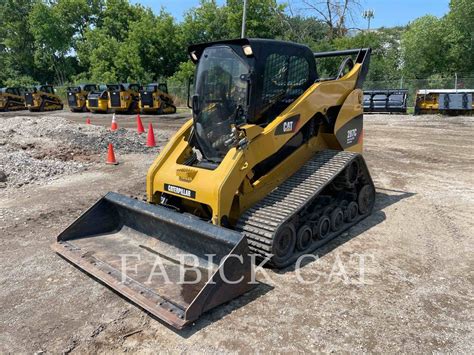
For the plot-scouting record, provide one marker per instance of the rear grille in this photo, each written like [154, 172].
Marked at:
[147, 98]
[29, 99]
[71, 99]
[115, 98]
[93, 103]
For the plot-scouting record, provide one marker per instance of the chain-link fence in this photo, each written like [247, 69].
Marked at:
[180, 91]
[412, 85]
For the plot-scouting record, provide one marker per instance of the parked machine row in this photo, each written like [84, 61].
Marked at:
[124, 98]
[36, 98]
[127, 98]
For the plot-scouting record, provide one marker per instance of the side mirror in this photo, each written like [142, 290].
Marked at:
[190, 82]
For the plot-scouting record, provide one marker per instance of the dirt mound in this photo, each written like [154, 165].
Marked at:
[38, 149]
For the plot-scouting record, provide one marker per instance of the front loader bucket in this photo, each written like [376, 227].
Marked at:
[173, 265]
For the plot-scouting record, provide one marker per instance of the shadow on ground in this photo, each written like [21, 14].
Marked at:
[382, 200]
[221, 311]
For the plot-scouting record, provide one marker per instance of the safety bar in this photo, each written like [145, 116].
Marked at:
[363, 58]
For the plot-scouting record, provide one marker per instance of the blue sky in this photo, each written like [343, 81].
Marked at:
[388, 13]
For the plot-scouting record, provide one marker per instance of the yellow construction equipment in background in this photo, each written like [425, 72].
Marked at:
[444, 101]
[124, 97]
[154, 98]
[43, 98]
[270, 165]
[77, 96]
[98, 100]
[12, 99]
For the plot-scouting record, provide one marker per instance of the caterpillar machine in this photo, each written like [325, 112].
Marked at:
[42, 98]
[444, 101]
[154, 98]
[12, 99]
[269, 166]
[77, 96]
[123, 97]
[98, 100]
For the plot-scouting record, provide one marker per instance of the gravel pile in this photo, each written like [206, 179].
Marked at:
[87, 138]
[21, 168]
[38, 149]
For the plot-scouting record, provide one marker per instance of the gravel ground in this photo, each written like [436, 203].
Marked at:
[38, 149]
[415, 294]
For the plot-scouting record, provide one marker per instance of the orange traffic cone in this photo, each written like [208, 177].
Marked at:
[114, 125]
[111, 155]
[150, 141]
[88, 121]
[140, 128]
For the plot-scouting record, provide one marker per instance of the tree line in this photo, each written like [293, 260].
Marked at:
[105, 41]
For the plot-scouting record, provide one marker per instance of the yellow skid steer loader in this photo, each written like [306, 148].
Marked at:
[98, 100]
[154, 98]
[12, 99]
[124, 97]
[77, 97]
[270, 165]
[43, 98]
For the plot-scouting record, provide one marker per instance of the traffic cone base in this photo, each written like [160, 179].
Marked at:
[140, 128]
[150, 141]
[111, 155]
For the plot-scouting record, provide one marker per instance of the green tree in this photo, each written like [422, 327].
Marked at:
[460, 22]
[16, 41]
[385, 63]
[53, 39]
[148, 51]
[305, 30]
[424, 47]
[205, 23]
[263, 18]
[98, 49]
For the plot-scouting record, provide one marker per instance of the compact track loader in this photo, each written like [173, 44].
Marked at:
[270, 166]
[154, 98]
[98, 100]
[43, 98]
[12, 99]
[444, 101]
[124, 97]
[77, 97]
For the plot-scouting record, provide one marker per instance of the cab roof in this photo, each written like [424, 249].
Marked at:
[258, 45]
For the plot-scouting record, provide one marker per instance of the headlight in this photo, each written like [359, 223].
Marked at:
[247, 50]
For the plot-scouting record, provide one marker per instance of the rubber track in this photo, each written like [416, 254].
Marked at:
[261, 222]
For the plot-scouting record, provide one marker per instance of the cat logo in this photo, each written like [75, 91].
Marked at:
[288, 126]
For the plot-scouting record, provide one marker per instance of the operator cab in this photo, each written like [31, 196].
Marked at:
[244, 81]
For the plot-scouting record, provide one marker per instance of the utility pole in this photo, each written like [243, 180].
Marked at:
[244, 19]
[368, 14]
